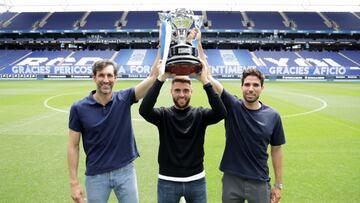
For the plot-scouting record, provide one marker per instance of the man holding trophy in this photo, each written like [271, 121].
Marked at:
[181, 127]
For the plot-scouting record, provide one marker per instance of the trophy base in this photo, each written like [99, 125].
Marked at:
[183, 65]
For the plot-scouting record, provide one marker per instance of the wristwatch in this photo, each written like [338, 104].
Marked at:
[279, 186]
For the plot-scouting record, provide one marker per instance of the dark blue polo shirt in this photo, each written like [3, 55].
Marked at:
[107, 133]
[248, 135]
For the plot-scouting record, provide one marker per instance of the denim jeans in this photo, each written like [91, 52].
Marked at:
[171, 192]
[122, 181]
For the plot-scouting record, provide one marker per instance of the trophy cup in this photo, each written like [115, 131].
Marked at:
[182, 57]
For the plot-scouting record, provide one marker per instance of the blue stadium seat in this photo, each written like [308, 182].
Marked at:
[142, 20]
[102, 20]
[307, 20]
[345, 20]
[267, 20]
[62, 21]
[225, 20]
[266, 57]
[334, 56]
[8, 57]
[6, 16]
[352, 55]
[25, 21]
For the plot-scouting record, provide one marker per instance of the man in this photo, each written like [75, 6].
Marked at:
[103, 119]
[250, 127]
[181, 134]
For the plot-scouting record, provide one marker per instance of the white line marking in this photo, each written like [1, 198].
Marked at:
[24, 122]
[56, 109]
[46, 104]
[323, 106]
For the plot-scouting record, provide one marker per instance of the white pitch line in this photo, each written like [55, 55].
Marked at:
[52, 108]
[67, 111]
[324, 105]
[24, 122]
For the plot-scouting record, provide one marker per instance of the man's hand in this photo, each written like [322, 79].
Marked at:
[203, 75]
[275, 195]
[155, 69]
[197, 34]
[194, 34]
[77, 193]
[164, 76]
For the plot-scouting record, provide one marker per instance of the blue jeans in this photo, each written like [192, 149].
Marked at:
[171, 192]
[122, 181]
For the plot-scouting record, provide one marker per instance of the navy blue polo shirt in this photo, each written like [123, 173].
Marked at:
[248, 135]
[107, 133]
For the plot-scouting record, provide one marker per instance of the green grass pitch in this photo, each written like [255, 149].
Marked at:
[321, 156]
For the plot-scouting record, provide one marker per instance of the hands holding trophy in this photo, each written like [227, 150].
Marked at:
[182, 56]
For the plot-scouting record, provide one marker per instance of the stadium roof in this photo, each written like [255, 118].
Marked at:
[208, 5]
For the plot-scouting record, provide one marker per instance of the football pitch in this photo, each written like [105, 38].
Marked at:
[321, 156]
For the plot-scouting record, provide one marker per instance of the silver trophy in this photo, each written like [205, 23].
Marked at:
[182, 58]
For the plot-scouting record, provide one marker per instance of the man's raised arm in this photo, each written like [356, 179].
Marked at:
[142, 88]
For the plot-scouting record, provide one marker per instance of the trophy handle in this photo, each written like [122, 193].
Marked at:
[198, 21]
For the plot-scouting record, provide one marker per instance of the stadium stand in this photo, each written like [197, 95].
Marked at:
[267, 20]
[9, 57]
[142, 20]
[344, 21]
[284, 45]
[102, 20]
[307, 21]
[225, 20]
[5, 18]
[225, 63]
[354, 56]
[62, 21]
[24, 21]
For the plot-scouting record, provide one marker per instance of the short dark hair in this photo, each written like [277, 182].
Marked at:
[99, 65]
[182, 79]
[254, 72]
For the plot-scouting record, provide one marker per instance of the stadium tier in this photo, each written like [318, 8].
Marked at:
[344, 21]
[352, 55]
[142, 20]
[267, 20]
[224, 63]
[61, 21]
[307, 21]
[284, 45]
[23, 21]
[101, 20]
[225, 20]
[123, 21]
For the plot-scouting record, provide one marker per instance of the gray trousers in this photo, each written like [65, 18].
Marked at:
[236, 190]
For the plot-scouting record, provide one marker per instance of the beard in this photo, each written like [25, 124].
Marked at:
[253, 99]
[181, 105]
[105, 89]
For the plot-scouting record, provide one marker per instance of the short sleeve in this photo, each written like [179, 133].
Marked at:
[127, 95]
[74, 121]
[278, 135]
